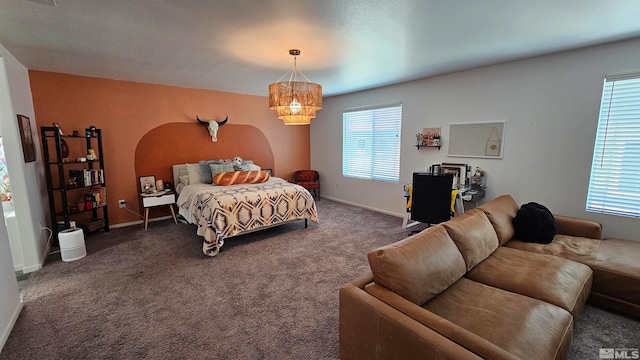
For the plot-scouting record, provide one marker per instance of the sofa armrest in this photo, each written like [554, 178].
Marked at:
[578, 227]
[371, 329]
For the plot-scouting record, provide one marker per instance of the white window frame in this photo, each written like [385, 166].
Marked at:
[371, 143]
[614, 185]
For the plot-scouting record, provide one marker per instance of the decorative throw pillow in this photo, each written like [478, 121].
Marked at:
[534, 223]
[205, 169]
[184, 179]
[240, 177]
[220, 168]
[253, 166]
[193, 170]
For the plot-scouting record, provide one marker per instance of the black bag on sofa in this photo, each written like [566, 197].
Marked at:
[534, 223]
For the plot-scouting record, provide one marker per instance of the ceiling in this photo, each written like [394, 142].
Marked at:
[347, 45]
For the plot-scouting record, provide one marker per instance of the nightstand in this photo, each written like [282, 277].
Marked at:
[149, 201]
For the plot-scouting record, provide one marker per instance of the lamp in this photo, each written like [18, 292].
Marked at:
[295, 102]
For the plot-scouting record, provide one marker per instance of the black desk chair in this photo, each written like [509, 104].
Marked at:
[431, 198]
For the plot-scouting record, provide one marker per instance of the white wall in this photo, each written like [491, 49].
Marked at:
[550, 105]
[10, 304]
[27, 179]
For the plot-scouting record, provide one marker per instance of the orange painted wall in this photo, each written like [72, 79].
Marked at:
[125, 111]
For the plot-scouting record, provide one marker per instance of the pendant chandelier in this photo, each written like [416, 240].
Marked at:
[295, 102]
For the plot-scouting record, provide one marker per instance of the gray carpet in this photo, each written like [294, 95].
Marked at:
[268, 295]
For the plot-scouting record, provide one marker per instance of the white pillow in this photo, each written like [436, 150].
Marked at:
[254, 167]
[193, 170]
[184, 179]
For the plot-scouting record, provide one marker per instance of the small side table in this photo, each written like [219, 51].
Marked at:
[168, 199]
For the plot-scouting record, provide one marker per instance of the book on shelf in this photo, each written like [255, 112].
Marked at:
[95, 198]
[87, 177]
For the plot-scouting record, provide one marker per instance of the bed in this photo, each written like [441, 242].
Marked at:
[220, 212]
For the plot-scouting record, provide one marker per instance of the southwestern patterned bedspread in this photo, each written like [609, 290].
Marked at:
[220, 212]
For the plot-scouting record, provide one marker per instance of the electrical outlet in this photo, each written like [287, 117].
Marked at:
[121, 203]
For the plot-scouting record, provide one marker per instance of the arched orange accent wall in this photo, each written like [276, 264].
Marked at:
[128, 111]
[154, 155]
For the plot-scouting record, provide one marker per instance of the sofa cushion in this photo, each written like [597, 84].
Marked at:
[418, 267]
[463, 337]
[574, 248]
[501, 212]
[525, 327]
[534, 223]
[558, 281]
[474, 235]
[616, 270]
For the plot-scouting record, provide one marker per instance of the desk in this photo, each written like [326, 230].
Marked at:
[472, 195]
[467, 195]
[168, 199]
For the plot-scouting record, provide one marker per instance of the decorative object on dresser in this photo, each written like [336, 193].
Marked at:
[66, 180]
[479, 179]
[91, 155]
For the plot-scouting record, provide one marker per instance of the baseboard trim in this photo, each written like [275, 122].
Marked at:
[363, 206]
[7, 331]
[139, 222]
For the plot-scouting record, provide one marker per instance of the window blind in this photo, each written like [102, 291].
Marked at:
[614, 186]
[371, 143]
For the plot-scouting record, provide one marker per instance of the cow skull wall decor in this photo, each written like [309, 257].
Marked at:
[213, 126]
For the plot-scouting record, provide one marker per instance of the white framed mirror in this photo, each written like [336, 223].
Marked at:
[481, 139]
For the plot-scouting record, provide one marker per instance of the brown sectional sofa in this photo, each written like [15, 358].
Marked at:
[615, 262]
[459, 291]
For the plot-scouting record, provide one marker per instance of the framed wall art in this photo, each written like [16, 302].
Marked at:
[28, 146]
[481, 140]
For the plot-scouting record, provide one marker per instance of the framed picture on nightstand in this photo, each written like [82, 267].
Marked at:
[147, 184]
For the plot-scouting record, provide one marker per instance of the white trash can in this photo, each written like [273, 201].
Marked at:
[72, 246]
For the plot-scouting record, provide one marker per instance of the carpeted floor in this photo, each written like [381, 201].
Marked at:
[268, 295]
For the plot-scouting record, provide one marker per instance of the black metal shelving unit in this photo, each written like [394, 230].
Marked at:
[57, 170]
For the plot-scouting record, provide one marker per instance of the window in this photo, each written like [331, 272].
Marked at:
[371, 143]
[614, 187]
[5, 185]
